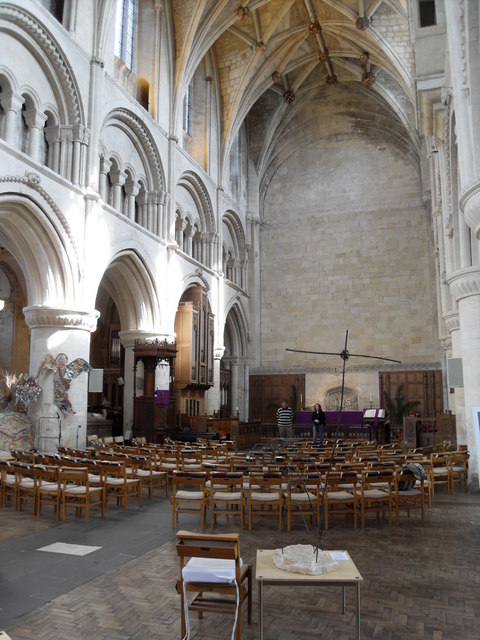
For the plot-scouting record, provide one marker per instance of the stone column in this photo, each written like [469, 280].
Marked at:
[244, 415]
[55, 331]
[131, 191]
[465, 287]
[152, 206]
[66, 144]
[213, 397]
[52, 135]
[172, 150]
[105, 166]
[35, 120]
[456, 399]
[234, 380]
[81, 136]
[162, 213]
[118, 180]
[12, 103]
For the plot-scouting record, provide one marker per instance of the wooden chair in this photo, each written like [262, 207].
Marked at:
[409, 494]
[118, 483]
[25, 486]
[7, 482]
[149, 476]
[376, 493]
[341, 496]
[265, 496]
[459, 469]
[77, 492]
[211, 564]
[304, 498]
[189, 494]
[49, 489]
[441, 470]
[226, 495]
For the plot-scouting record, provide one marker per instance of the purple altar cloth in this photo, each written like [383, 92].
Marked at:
[348, 417]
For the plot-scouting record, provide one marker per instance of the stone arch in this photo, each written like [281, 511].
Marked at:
[237, 326]
[143, 142]
[233, 223]
[131, 285]
[23, 26]
[197, 190]
[40, 244]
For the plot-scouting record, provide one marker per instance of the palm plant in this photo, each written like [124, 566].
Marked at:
[396, 407]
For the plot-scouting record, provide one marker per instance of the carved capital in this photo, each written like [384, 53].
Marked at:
[56, 317]
[11, 101]
[452, 321]
[470, 205]
[34, 118]
[464, 283]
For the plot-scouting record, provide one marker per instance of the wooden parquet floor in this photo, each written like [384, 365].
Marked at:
[420, 582]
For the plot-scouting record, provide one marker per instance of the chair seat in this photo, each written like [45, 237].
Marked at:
[48, 486]
[375, 493]
[411, 492]
[209, 570]
[117, 482]
[189, 495]
[27, 482]
[265, 496]
[302, 497]
[227, 496]
[339, 495]
[81, 490]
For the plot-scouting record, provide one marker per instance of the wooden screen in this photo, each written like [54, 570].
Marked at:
[426, 387]
[267, 392]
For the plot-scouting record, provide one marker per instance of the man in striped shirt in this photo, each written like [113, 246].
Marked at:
[285, 420]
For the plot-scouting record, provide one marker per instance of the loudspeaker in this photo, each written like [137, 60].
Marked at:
[95, 381]
[455, 372]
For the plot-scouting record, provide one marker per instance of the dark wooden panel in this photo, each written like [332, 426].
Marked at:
[425, 387]
[267, 392]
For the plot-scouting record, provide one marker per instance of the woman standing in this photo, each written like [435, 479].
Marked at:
[318, 419]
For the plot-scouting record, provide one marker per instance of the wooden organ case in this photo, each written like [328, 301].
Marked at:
[194, 328]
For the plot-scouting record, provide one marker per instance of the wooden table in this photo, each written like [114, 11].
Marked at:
[346, 575]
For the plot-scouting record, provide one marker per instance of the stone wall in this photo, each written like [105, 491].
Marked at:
[346, 245]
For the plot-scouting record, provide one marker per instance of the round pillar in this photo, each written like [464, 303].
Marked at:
[55, 331]
[465, 288]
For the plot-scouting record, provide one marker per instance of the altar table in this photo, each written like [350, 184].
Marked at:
[346, 575]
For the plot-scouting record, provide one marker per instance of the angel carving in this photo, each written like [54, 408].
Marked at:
[63, 374]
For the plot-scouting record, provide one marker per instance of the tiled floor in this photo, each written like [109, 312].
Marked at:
[419, 581]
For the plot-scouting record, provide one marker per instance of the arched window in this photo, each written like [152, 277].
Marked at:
[125, 31]
[187, 110]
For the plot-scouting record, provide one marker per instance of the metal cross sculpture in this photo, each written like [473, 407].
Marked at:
[344, 355]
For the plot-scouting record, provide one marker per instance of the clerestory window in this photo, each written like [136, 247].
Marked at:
[426, 13]
[187, 110]
[125, 31]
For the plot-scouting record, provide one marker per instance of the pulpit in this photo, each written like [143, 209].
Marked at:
[154, 406]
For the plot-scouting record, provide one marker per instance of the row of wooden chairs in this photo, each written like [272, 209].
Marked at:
[272, 494]
[38, 485]
[47, 481]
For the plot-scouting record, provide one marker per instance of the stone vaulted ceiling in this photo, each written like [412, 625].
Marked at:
[283, 65]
